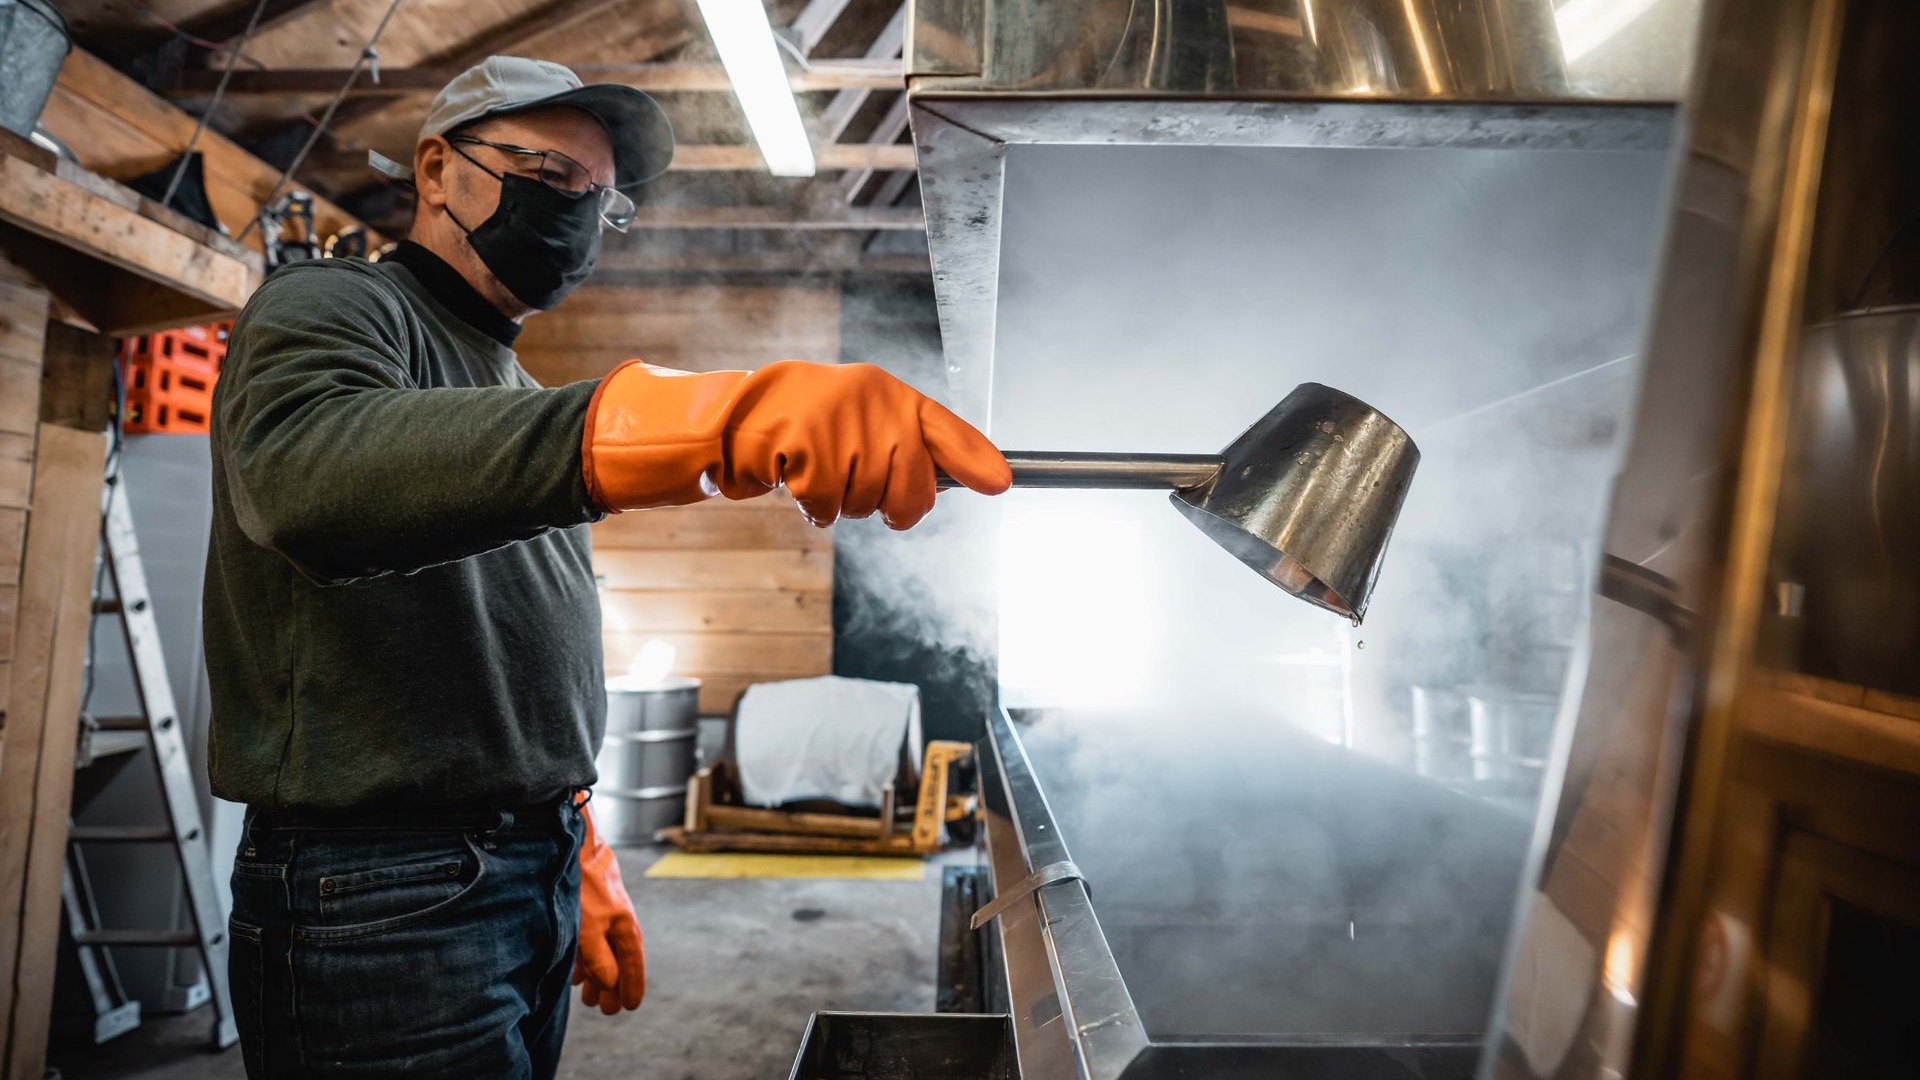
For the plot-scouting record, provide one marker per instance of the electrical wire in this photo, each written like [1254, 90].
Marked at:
[206, 116]
[1119, 47]
[368, 52]
[192, 39]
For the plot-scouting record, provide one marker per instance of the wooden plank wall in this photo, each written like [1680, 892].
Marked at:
[23, 322]
[49, 517]
[43, 719]
[742, 591]
[699, 328]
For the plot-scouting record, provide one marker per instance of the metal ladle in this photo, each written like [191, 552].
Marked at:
[1307, 496]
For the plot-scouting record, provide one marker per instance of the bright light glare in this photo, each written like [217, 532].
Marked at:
[1622, 951]
[1585, 25]
[1074, 630]
[744, 39]
[652, 663]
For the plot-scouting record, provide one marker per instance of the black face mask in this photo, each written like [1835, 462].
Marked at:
[541, 243]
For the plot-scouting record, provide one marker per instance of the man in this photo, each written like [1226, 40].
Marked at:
[403, 633]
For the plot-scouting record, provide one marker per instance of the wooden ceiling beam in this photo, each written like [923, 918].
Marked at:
[886, 133]
[669, 77]
[859, 218]
[611, 268]
[497, 39]
[813, 22]
[227, 25]
[535, 27]
[892, 188]
[724, 157]
[833, 157]
[839, 113]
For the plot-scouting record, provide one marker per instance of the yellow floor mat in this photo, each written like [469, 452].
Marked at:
[687, 864]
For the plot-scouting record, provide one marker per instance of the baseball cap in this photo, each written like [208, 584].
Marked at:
[503, 85]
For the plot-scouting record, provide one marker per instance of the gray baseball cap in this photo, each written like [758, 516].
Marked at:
[502, 85]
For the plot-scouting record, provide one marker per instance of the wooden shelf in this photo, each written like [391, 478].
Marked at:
[122, 262]
[1838, 720]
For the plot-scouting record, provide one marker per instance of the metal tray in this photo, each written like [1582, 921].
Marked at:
[905, 1046]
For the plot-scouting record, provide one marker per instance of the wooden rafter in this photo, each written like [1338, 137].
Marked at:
[892, 188]
[859, 218]
[877, 157]
[226, 25]
[839, 113]
[667, 77]
[504, 37]
[498, 39]
[610, 269]
[814, 21]
[886, 133]
[723, 157]
[832, 157]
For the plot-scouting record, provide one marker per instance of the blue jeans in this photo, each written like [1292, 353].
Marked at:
[422, 945]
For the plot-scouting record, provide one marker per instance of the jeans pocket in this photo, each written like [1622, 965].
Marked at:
[245, 960]
[358, 903]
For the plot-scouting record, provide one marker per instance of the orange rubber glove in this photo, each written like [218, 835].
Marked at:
[847, 440]
[611, 966]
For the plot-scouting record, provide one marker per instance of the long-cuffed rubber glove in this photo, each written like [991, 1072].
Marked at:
[611, 968]
[848, 440]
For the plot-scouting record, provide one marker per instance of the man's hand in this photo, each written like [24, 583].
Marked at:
[847, 440]
[611, 967]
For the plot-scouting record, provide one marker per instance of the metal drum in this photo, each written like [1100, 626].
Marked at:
[1442, 742]
[647, 757]
[1511, 734]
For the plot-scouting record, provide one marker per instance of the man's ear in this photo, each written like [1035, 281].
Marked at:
[431, 159]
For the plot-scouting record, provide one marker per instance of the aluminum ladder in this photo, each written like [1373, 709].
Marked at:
[158, 724]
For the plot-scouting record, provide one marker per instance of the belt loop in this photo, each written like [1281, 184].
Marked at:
[246, 831]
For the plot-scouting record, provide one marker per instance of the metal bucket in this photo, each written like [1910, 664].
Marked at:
[646, 758]
[34, 42]
[1308, 496]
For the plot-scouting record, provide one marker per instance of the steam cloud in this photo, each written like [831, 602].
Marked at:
[1232, 769]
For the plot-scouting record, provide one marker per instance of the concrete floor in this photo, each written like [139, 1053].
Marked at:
[734, 969]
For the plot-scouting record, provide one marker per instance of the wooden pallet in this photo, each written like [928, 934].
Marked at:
[716, 821]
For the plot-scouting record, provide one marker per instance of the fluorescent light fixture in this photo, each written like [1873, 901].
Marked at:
[744, 39]
[1585, 25]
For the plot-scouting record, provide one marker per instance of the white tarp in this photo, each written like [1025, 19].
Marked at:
[824, 738]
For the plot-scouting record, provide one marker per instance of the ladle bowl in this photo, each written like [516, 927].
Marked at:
[1307, 496]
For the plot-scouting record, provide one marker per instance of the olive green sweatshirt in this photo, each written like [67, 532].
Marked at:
[400, 607]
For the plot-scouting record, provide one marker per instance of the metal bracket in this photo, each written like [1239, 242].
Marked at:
[1050, 874]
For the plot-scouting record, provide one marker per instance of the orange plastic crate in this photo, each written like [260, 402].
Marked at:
[170, 377]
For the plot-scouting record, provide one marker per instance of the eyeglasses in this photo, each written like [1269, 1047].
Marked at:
[559, 172]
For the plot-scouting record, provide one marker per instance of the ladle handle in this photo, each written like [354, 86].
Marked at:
[1150, 472]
